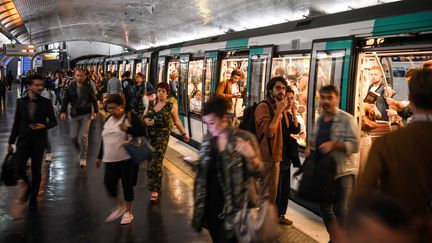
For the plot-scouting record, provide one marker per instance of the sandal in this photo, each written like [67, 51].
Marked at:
[154, 196]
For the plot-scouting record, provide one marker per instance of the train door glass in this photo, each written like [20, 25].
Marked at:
[145, 70]
[227, 66]
[182, 84]
[195, 86]
[258, 77]
[172, 77]
[138, 68]
[128, 67]
[209, 80]
[295, 69]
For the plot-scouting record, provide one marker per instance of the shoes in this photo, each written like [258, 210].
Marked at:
[119, 211]
[284, 221]
[83, 163]
[154, 196]
[48, 157]
[127, 218]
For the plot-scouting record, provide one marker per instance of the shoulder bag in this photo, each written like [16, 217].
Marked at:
[139, 148]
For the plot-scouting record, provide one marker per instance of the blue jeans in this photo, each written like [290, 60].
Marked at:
[336, 209]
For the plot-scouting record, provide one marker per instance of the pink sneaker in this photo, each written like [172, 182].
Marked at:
[115, 214]
[127, 218]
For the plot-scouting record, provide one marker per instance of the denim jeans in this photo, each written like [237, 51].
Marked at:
[336, 209]
[79, 131]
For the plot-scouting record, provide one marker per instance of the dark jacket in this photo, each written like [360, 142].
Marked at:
[85, 104]
[137, 129]
[44, 114]
[232, 175]
[290, 146]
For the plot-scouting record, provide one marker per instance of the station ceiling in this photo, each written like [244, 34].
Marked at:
[138, 24]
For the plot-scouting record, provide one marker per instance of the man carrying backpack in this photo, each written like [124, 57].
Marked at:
[268, 124]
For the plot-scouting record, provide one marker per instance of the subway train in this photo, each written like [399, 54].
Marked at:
[339, 49]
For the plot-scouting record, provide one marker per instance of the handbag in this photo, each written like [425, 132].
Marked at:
[317, 183]
[8, 172]
[259, 223]
[139, 148]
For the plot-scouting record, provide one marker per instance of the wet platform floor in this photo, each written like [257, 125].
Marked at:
[73, 203]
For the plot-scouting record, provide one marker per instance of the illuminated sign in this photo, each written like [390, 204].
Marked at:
[19, 49]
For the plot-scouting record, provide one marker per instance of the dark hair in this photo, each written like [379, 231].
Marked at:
[420, 89]
[272, 83]
[163, 85]
[289, 90]
[34, 77]
[217, 106]
[329, 89]
[195, 93]
[409, 73]
[80, 70]
[386, 210]
[127, 74]
[115, 99]
[236, 72]
[140, 75]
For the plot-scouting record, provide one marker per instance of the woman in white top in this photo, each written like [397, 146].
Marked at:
[118, 166]
[196, 102]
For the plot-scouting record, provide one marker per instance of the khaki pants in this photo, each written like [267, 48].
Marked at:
[269, 181]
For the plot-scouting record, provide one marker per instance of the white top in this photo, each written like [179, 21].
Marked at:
[195, 105]
[113, 140]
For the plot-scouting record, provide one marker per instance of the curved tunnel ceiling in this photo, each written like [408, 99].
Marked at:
[143, 23]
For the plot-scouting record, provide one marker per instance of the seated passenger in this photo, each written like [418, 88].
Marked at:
[196, 102]
[378, 86]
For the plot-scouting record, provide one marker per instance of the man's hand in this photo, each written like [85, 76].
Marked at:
[93, 116]
[282, 104]
[327, 147]
[63, 116]
[98, 163]
[10, 148]
[37, 126]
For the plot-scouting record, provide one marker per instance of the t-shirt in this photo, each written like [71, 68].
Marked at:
[113, 140]
[324, 132]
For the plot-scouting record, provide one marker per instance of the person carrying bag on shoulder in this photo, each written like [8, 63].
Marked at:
[118, 127]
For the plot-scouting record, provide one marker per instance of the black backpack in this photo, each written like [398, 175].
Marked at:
[248, 121]
[8, 173]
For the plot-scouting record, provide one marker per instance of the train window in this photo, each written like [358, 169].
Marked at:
[138, 68]
[173, 77]
[295, 69]
[209, 71]
[120, 70]
[182, 87]
[195, 86]
[227, 66]
[128, 67]
[161, 69]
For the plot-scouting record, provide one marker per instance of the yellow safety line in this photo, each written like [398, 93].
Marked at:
[180, 173]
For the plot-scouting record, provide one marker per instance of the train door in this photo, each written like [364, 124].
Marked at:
[195, 99]
[138, 67]
[259, 72]
[128, 65]
[294, 68]
[121, 66]
[330, 64]
[236, 60]
[211, 65]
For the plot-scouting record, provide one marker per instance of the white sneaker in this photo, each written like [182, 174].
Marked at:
[127, 218]
[83, 162]
[119, 211]
[48, 157]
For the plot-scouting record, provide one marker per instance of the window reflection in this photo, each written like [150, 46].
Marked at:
[209, 71]
[195, 85]
[295, 69]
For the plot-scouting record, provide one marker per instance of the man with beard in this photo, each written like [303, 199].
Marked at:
[335, 135]
[268, 123]
[33, 117]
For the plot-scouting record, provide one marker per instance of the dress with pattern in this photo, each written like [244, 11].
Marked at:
[159, 135]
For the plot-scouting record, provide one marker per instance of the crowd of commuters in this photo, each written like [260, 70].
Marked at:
[395, 173]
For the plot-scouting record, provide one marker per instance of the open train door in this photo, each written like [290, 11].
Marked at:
[330, 64]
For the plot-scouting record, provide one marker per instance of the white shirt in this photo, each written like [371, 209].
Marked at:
[195, 105]
[113, 140]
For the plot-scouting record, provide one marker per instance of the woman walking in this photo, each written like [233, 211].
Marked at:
[118, 166]
[157, 118]
[229, 157]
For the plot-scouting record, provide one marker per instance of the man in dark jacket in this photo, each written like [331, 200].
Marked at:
[9, 79]
[136, 92]
[34, 115]
[82, 99]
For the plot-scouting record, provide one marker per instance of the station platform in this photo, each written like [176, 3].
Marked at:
[73, 203]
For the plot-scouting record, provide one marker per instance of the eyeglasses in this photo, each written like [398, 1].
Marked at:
[279, 88]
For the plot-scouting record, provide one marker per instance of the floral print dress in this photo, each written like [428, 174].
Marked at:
[159, 135]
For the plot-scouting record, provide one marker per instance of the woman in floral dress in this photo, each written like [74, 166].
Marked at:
[157, 117]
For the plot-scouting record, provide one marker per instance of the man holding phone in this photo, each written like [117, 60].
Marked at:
[229, 89]
[34, 115]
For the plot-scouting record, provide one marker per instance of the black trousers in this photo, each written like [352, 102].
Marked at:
[34, 150]
[217, 233]
[127, 172]
[284, 188]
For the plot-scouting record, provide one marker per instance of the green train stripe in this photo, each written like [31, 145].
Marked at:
[406, 23]
[236, 44]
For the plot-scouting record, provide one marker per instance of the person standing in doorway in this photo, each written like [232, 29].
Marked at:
[82, 99]
[229, 90]
[34, 115]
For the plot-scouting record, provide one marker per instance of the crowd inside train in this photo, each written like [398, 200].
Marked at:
[384, 196]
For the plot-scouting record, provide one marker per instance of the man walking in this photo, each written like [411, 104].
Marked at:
[34, 115]
[336, 135]
[114, 85]
[82, 99]
[268, 123]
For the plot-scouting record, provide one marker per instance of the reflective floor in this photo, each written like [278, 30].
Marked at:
[73, 203]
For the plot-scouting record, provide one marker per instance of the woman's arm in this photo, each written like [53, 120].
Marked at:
[178, 123]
